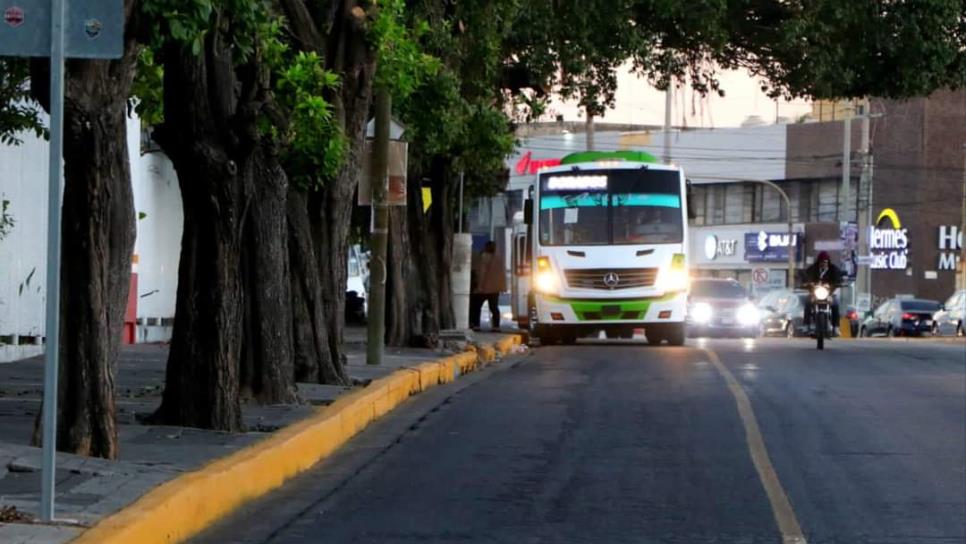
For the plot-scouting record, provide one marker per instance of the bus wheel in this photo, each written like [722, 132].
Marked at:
[654, 338]
[568, 339]
[675, 335]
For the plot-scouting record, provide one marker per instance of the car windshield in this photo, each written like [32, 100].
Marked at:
[920, 305]
[604, 207]
[718, 289]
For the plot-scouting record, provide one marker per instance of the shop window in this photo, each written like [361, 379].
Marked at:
[716, 205]
[734, 203]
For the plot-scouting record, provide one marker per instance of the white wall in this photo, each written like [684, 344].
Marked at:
[158, 245]
[23, 181]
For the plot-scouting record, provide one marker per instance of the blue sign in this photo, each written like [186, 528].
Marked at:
[772, 247]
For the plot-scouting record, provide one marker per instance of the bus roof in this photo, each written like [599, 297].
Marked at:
[621, 155]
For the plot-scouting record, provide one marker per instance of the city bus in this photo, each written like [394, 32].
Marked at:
[604, 248]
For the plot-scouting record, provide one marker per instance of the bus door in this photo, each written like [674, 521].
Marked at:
[520, 278]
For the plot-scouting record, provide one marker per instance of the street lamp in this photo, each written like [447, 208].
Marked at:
[791, 235]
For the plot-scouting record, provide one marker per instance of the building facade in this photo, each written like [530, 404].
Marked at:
[918, 189]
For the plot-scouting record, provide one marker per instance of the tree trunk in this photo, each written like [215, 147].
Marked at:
[97, 242]
[312, 352]
[267, 370]
[337, 30]
[441, 222]
[348, 54]
[403, 308]
[208, 134]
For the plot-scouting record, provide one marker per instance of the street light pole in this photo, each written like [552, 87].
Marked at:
[792, 247]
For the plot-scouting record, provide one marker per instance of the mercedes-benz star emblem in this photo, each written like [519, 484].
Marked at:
[611, 279]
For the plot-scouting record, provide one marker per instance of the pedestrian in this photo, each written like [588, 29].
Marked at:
[490, 282]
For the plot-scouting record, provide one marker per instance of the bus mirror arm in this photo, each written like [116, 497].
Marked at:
[528, 211]
[688, 195]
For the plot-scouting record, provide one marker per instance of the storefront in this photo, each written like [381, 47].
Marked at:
[756, 255]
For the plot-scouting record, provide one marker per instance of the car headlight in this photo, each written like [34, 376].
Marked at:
[672, 279]
[748, 315]
[821, 292]
[701, 312]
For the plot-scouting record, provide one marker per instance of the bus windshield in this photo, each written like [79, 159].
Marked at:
[610, 207]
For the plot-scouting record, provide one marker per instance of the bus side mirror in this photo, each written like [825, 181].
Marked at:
[689, 194]
[528, 211]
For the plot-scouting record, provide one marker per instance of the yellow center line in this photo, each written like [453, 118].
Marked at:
[780, 506]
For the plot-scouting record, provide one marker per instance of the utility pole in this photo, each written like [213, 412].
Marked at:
[962, 229]
[668, 98]
[379, 181]
[845, 190]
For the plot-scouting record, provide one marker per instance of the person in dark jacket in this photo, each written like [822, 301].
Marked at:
[823, 271]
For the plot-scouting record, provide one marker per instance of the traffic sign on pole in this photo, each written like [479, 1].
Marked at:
[92, 29]
[759, 275]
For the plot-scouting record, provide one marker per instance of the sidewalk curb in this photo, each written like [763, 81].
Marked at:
[186, 505]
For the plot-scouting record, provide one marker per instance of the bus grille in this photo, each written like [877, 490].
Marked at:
[604, 278]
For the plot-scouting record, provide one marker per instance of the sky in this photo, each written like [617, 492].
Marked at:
[640, 103]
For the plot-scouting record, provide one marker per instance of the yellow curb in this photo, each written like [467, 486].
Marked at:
[186, 505]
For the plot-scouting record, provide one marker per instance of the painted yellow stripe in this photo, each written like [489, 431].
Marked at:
[781, 507]
[183, 507]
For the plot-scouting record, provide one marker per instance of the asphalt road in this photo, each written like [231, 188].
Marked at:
[614, 443]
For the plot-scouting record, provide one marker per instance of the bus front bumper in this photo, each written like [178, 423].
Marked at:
[553, 310]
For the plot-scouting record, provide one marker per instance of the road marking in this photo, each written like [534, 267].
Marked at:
[780, 506]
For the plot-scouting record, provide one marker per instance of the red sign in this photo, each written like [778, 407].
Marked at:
[13, 16]
[527, 164]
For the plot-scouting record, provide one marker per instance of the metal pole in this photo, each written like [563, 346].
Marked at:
[791, 228]
[846, 168]
[865, 180]
[380, 228]
[462, 173]
[56, 172]
[668, 96]
[962, 228]
[590, 130]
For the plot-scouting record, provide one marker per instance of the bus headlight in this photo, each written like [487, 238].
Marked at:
[672, 279]
[748, 315]
[701, 313]
[545, 281]
[821, 292]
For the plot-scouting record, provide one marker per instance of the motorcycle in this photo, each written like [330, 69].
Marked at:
[822, 312]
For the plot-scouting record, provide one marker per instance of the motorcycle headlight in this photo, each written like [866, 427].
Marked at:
[701, 312]
[821, 292]
[748, 315]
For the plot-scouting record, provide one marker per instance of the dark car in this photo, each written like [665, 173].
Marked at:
[720, 307]
[900, 317]
[786, 317]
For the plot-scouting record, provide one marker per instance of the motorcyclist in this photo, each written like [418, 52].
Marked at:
[823, 271]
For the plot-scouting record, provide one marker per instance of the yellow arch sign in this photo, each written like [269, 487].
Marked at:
[892, 216]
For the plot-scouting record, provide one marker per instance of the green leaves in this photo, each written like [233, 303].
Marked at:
[6, 220]
[402, 63]
[18, 112]
[315, 145]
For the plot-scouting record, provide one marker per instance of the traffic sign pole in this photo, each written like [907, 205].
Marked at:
[56, 171]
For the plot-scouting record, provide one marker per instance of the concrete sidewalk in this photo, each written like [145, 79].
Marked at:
[88, 489]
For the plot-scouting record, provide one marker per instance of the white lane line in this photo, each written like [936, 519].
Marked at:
[780, 506]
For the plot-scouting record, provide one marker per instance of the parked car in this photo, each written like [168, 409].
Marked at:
[721, 307]
[900, 317]
[855, 319]
[786, 317]
[950, 320]
[356, 306]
